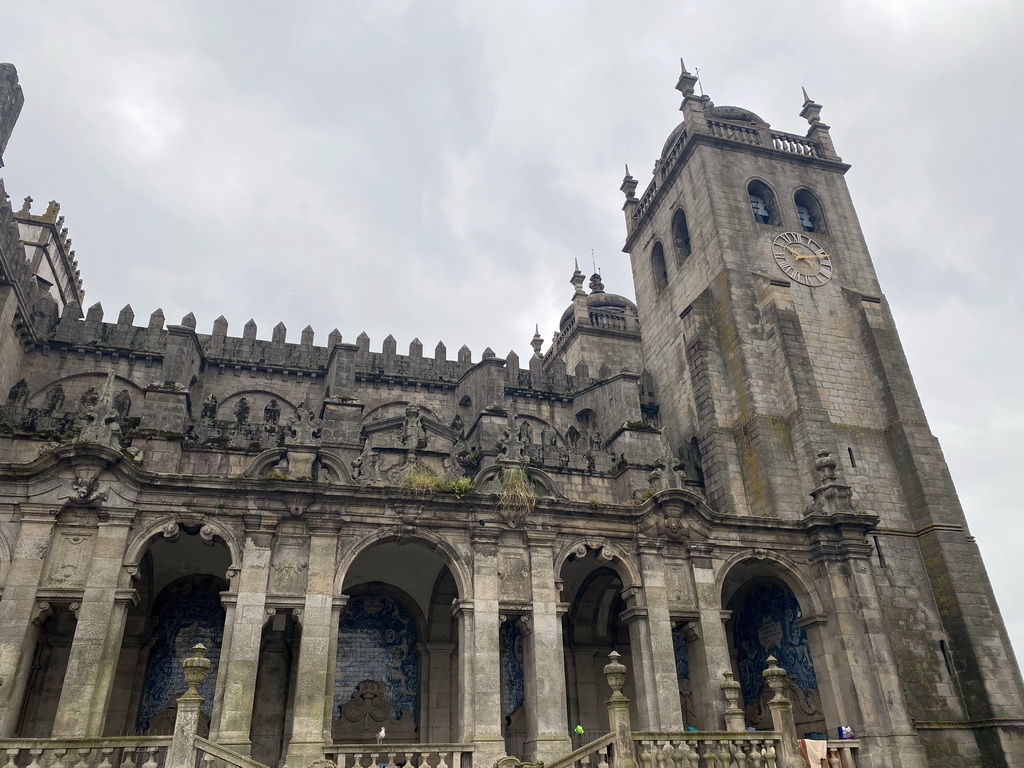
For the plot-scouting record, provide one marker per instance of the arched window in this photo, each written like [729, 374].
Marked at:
[762, 203]
[658, 267]
[809, 211]
[680, 236]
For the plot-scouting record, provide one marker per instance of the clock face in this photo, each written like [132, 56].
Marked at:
[802, 259]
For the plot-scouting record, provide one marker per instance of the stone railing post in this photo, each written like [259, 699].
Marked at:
[618, 713]
[782, 715]
[182, 752]
[735, 720]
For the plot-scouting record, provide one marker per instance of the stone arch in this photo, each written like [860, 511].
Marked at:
[400, 406]
[759, 562]
[168, 525]
[609, 554]
[809, 201]
[659, 271]
[6, 555]
[73, 389]
[452, 559]
[258, 399]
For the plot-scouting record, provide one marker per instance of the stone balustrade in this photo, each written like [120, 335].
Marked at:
[111, 752]
[596, 754]
[401, 755]
[708, 749]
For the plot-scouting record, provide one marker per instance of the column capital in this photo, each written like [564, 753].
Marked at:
[630, 615]
[540, 538]
[462, 608]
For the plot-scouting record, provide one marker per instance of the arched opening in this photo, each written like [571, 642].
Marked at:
[181, 576]
[681, 236]
[592, 629]
[658, 270]
[513, 686]
[397, 647]
[765, 621]
[810, 212]
[762, 203]
[49, 665]
[275, 690]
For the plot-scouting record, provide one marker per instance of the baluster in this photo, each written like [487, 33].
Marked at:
[105, 762]
[440, 760]
[35, 754]
[127, 758]
[769, 756]
[691, 753]
[408, 760]
[724, 755]
[150, 758]
[423, 760]
[663, 756]
[755, 754]
[833, 759]
[11, 755]
[679, 754]
[207, 760]
[83, 758]
[602, 757]
[738, 755]
[585, 761]
[710, 758]
[646, 759]
[58, 758]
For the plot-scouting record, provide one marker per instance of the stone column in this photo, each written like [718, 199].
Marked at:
[241, 648]
[547, 729]
[653, 652]
[18, 609]
[182, 752]
[315, 674]
[96, 647]
[709, 655]
[481, 652]
[435, 709]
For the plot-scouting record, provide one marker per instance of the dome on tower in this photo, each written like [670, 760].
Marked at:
[605, 303]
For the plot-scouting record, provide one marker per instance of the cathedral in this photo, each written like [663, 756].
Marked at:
[377, 557]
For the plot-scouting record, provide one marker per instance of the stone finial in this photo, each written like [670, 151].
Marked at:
[577, 279]
[735, 720]
[334, 338]
[220, 326]
[776, 677]
[363, 342]
[811, 111]
[156, 320]
[126, 316]
[95, 313]
[537, 341]
[596, 286]
[279, 334]
[189, 321]
[52, 211]
[615, 674]
[465, 355]
[628, 186]
[488, 354]
[440, 352]
[686, 82]
[307, 336]
[415, 349]
[249, 331]
[26, 207]
[512, 360]
[196, 668]
[390, 346]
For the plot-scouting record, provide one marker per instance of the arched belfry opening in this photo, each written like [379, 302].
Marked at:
[593, 627]
[765, 620]
[180, 579]
[397, 647]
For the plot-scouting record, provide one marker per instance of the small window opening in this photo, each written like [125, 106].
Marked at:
[878, 551]
[681, 236]
[658, 267]
[945, 657]
[762, 203]
[853, 459]
[809, 212]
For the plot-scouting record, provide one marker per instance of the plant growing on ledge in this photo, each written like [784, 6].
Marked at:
[641, 426]
[457, 488]
[421, 479]
[496, 410]
[516, 494]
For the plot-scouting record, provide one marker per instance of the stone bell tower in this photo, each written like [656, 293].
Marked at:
[769, 340]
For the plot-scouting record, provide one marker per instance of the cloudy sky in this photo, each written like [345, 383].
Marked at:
[431, 170]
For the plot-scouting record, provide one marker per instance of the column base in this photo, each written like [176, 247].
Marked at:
[302, 754]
